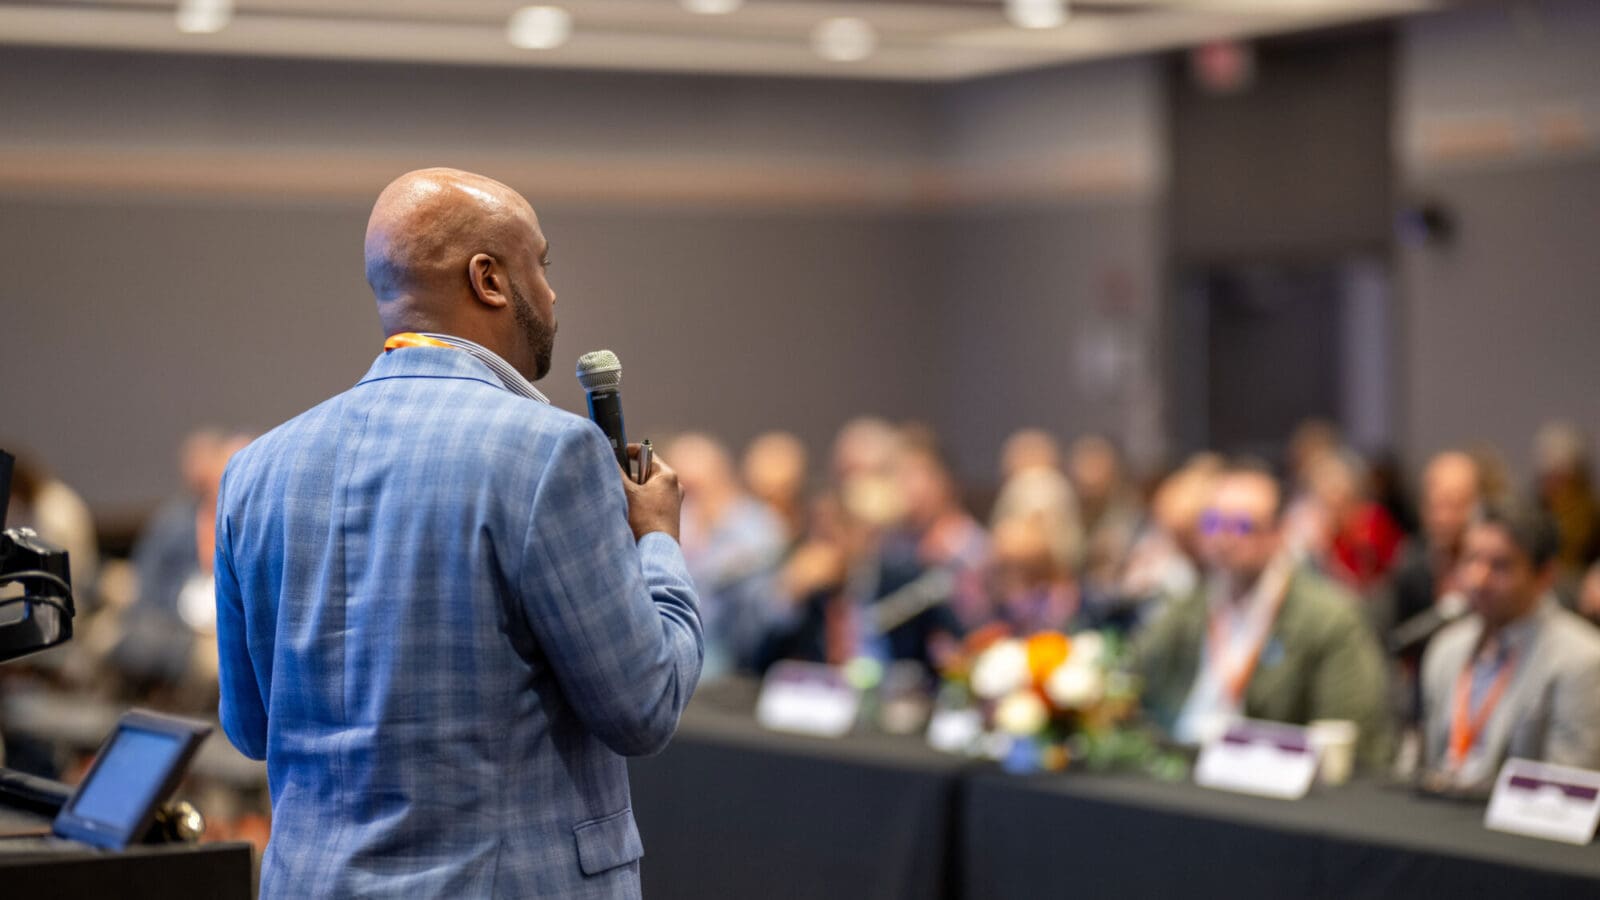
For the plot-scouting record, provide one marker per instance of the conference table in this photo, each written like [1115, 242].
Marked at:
[732, 810]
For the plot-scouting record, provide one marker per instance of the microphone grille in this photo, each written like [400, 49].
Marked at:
[599, 370]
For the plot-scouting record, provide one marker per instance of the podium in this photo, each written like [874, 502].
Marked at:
[36, 869]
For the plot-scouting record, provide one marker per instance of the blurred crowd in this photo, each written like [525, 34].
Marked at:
[1319, 589]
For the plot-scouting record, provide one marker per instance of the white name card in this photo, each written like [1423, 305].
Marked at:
[955, 730]
[807, 698]
[1268, 759]
[1541, 800]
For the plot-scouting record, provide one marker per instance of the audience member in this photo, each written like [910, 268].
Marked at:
[1164, 559]
[1032, 587]
[732, 544]
[774, 470]
[1424, 579]
[1263, 637]
[1565, 488]
[1589, 595]
[43, 502]
[930, 575]
[1360, 541]
[1032, 486]
[157, 642]
[1109, 507]
[1518, 677]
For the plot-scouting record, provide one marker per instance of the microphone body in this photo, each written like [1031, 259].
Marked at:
[605, 409]
[600, 373]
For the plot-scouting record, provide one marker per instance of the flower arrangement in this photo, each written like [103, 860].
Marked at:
[1050, 700]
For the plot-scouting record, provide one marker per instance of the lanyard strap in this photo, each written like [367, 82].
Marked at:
[412, 339]
[1467, 724]
[1275, 582]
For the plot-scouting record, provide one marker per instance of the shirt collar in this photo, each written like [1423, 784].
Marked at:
[510, 377]
[1518, 635]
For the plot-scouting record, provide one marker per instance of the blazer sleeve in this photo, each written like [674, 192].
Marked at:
[617, 619]
[1350, 683]
[241, 707]
[1573, 738]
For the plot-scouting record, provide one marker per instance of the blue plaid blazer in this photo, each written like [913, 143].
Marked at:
[436, 627]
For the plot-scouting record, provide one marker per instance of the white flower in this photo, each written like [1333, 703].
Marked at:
[1088, 649]
[1075, 686]
[1021, 713]
[1001, 669]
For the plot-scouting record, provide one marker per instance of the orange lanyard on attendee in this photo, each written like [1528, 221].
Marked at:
[412, 339]
[1237, 678]
[1466, 725]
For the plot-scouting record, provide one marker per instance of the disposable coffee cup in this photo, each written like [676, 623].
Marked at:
[1335, 743]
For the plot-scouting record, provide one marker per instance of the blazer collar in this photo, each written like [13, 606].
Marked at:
[430, 362]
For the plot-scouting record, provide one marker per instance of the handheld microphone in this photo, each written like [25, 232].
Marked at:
[600, 373]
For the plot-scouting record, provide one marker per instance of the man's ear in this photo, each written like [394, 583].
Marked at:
[488, 280]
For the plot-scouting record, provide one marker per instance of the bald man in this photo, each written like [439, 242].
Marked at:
[443, 614]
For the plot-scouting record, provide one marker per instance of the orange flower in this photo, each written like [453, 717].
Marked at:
[1046, 651]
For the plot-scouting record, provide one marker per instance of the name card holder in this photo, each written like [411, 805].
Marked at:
[955, 730]
[1267, 759]
[807, 698]
[1543, 800]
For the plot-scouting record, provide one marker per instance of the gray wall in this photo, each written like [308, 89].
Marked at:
[183, 242]
[1499, 122]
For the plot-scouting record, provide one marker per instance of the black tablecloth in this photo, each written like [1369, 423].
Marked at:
[46, 869]
[1131, 837]
[730, 810]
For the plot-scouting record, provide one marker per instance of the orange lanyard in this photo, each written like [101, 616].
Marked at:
[1465, 725]
[412, 339]
[1236, 679]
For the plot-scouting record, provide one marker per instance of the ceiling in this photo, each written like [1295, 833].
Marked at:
[930, 40]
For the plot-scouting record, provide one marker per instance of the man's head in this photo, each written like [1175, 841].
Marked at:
[1506, 562]
[1239, 531]
[1095, 468]
[458, 253]
[1451, 492]
[926, 483]
[775, 467]
[1029, 448]
[705, 471]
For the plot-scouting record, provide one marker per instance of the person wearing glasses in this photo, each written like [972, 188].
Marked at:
[1261, 636]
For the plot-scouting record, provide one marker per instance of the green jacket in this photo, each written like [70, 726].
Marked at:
[1320, 662]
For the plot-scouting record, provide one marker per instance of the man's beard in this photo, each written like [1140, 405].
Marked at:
[540, 337]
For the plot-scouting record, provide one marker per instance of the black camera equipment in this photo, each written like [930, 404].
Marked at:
[128, 801]
[41, 617]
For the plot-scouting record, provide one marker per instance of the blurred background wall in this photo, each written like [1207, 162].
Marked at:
[182, 238]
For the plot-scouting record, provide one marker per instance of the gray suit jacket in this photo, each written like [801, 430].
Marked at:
[1550, 710]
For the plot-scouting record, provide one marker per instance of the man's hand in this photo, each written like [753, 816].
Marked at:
[654, 505]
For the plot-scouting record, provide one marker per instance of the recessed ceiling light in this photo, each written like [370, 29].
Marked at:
[845, 39]
[1036, 13]
[204, 16]
[539, 27]
[712, 7]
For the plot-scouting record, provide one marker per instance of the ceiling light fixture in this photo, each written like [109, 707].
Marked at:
[1036, 13]
[539, 27]
[712, 7]
[204, 16]
[844, 39]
